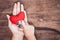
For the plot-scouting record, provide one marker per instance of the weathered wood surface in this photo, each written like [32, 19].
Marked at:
[42, 13]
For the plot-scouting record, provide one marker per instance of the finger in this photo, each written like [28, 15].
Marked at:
[9, 23]
[25, 17]
[18, 7]
[14, 9]
[22, 7]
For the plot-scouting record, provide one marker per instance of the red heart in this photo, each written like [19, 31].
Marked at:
[15, 18]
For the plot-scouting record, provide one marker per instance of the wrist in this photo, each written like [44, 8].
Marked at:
[18, 34]
[17, 37]
[31, 37]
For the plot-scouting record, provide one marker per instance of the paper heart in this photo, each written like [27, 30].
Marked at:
[15, 18]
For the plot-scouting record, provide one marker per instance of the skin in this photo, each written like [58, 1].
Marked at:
[19, 33]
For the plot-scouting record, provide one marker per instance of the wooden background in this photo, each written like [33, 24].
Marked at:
[42, 13]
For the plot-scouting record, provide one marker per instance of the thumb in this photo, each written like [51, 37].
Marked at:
[9, 22]
[24, 24]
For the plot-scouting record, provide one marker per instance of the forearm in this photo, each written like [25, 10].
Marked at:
[18, 37]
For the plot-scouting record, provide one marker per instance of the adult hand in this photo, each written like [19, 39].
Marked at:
[28, 29]
[16, 31]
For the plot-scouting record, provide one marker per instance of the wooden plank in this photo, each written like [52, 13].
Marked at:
[3, 22]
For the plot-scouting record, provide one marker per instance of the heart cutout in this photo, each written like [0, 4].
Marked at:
[15, 18]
